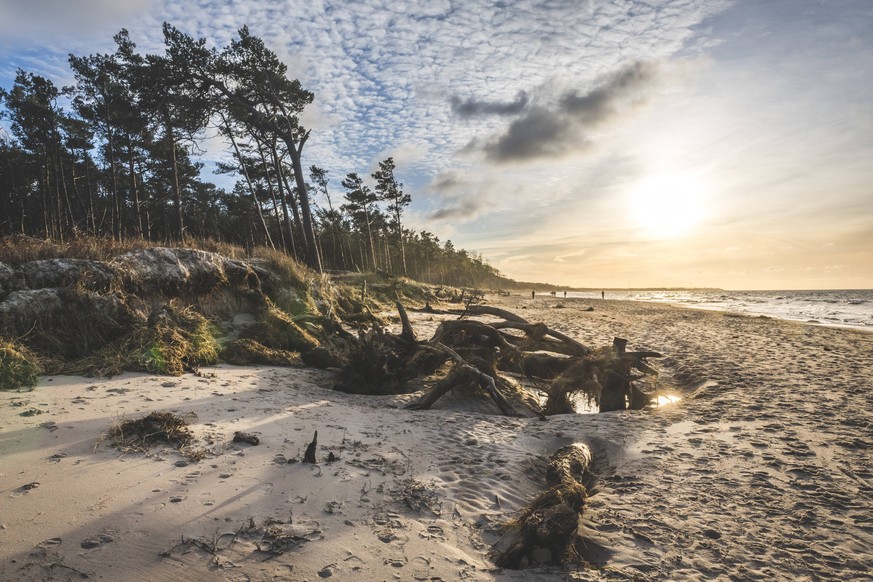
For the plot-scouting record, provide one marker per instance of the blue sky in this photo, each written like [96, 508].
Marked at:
[593, 143]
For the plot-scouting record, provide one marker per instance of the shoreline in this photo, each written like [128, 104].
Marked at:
[727, 310]
[773, 432]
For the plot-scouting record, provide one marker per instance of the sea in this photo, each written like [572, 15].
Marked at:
[850, 308]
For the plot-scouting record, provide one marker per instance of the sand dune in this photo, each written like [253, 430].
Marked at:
[761, 472]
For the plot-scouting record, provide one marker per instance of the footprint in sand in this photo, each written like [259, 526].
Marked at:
[433, 532]
[392, 537]
[396, 561]
[98, 541]
[328, 571]
[421, 568]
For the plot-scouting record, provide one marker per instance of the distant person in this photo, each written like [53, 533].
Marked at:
[565, 294]
[603, 294]
[533, 294]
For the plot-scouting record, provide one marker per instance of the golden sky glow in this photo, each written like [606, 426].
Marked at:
[719, 143]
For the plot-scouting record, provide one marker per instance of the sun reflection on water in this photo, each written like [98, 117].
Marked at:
[664, 399]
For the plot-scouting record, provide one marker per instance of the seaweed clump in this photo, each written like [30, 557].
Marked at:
[19, 367]
[157, 428]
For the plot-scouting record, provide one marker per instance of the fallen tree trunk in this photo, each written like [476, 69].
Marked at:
[551, 520]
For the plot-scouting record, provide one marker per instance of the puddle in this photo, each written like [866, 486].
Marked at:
[665, 399]
[660, 397]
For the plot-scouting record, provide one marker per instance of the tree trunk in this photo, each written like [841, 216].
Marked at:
[115, 203]
[248, 181]
[134, 191]
[177, 191]
[295, 152]
[92, 218]
[286, 193]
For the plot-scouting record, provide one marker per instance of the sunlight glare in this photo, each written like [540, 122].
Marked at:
[664, 399]
[668, 205]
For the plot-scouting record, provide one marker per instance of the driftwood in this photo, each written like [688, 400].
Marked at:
[551, 520]
[309, 455]
[474, 355]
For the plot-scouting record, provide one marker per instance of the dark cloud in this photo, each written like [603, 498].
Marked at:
[472, 108]
[463, 209]
[542, 132]
[559, 130]
[603, 102]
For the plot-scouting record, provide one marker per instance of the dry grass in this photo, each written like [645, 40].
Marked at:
[104, 334]
[277, 330]
[18, 249]
[171, 341]
[247, 352]
[19, 367]
[175, 340]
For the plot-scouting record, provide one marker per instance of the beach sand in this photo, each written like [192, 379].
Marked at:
[762, 471]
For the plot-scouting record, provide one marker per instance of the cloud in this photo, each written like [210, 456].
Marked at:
[562, 128]
[473, 108]
[462, 210]
[22, 19]
[447, 181]
[540, 133]
[605, 102]
[563, 257]
[456, 195]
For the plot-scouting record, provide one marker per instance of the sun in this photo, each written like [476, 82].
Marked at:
[668, 205]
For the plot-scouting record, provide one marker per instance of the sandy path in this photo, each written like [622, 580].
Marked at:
[765, 474]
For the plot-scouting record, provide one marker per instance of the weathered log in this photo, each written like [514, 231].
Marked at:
[526, 344]
[569, 464]
[551, 520]
[477, 330]
[545, 366]
[463, 374]
[495, 311]
[538, 330]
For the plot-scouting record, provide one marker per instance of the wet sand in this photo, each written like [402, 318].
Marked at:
[761, 472]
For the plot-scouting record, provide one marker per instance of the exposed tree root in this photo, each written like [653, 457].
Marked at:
[476, 356]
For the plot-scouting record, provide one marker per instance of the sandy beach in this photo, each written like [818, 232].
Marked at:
[762, 471]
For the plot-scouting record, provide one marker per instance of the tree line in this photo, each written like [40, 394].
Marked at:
[114, 155]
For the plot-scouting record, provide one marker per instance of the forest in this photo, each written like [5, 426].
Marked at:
[114, 156]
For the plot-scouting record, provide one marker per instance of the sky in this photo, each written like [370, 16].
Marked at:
[592, 143]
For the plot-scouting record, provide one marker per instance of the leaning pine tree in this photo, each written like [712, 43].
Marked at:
[248, 81]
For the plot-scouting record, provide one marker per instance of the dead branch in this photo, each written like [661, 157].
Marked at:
[495, 311]
[309, 455]
[538, 331]
[407, 335]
